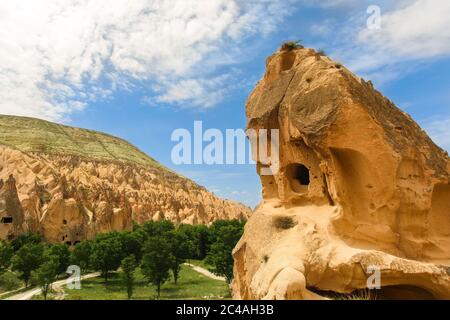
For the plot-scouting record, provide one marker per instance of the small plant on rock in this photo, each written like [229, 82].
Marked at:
[284, 223]
[291, 45]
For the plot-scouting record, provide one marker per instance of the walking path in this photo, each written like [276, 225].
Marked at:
[205, 272]
[27, 295]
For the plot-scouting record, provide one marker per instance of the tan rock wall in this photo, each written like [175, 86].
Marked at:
[68, 199]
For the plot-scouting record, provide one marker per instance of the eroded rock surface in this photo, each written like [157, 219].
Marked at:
[360, 185]
[68, 197]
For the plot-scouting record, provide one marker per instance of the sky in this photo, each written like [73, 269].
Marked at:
[141, 69]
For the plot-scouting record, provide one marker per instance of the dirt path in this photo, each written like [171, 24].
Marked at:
[3, 294]
[205, 272]
[57, 286]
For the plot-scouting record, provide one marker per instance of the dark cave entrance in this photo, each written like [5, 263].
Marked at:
[298, 176]
[6, 220]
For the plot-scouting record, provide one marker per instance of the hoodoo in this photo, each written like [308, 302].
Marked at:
[360, 187]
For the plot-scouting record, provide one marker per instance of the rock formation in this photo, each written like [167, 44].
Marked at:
[69, 184]
[360, 188]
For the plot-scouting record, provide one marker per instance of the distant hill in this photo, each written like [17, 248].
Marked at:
[69, 184]
[40, 136]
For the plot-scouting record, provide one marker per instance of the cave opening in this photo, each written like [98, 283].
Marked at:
[298, 176]
[6, 220]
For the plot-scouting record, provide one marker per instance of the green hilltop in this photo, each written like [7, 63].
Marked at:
[32, 135]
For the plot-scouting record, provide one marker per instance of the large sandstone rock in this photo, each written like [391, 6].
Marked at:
[360, 185]
[73, 190]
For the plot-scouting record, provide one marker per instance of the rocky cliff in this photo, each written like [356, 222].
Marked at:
[361, 191]
[69, 184]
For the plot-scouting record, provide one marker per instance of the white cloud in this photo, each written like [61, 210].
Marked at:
[321, 29]
[332, 3]
[58, 56]
[419, 30]
[413, 30]
[439, 131]
[203, 93]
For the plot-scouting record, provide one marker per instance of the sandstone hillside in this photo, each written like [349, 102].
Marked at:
[69, 184]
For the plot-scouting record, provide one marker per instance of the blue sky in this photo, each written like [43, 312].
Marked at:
[143, 69]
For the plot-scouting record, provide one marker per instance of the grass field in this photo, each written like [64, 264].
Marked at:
[191, 285]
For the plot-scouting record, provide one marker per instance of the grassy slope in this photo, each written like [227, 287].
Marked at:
[191, 285]
[35, 135]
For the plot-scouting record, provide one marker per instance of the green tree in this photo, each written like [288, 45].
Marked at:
[157, 261]
[132, 242]
[203, 242]
[198, 236]
[106, 253]
[181, 247]
[216, 226]
[27, 259]
[23, 239]
[81, 254]
[225, 235]
[47, 272]
[62, 253]
[129, 266]
[157, 228]
[6, 253]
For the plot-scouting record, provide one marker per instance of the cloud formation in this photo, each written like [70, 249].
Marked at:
[57, 56]
[411, 31]
[438, 130]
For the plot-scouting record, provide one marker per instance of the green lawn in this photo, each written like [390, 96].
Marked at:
[191, 285]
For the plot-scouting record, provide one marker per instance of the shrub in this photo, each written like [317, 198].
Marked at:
[266, 258]
[9, 281]
[284, 222]
[291, 45]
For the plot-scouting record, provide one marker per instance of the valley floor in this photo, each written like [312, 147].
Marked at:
[192, 284]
